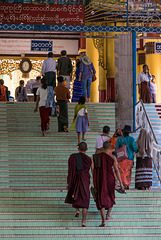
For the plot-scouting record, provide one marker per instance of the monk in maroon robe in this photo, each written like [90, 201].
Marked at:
[104, 180]
[78, 181]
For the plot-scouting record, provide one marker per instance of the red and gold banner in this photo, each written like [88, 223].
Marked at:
[17, 13]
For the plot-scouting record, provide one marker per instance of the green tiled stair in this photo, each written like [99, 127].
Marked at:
[33, 173]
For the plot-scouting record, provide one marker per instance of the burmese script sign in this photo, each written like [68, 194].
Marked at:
[158, 47]
[41, 46]
[30, 46]
[41, 14]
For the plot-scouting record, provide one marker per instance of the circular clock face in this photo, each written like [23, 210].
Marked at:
[25, 65]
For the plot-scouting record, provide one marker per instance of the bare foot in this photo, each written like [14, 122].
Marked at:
[83, 139]
[108, 217]
[66, 129]
[43, 134]
[126, 187]
[47, 126]
[77, 213]
[84, 225]
[102, 225]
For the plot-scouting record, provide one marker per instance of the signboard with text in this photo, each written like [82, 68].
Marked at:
[41, 46]
[157, 47]
[19, 46]
[41, 14]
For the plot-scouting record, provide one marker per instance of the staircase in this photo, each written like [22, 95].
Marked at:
[154, 114]
[33, 173]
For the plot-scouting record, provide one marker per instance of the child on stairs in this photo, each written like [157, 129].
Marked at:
[81, 118]
[42, 94]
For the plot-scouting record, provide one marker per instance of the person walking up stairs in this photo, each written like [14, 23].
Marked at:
[33, 174]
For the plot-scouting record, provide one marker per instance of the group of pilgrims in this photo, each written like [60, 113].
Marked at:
[109, 175]
[109, 172]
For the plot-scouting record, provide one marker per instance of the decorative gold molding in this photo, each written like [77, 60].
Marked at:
[100, 45]
[7, 66]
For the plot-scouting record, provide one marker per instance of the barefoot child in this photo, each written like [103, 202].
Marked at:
[42, 93]
[82, 122]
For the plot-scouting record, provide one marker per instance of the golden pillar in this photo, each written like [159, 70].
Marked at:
[102, 70]
[110, 56]
[140, 63]
[154, 63]
[110, 67]
[92, 52]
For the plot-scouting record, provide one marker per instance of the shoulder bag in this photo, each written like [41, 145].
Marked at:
[122, 152]
[93, 75]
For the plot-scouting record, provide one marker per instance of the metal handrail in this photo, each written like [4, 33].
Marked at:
[151, 128]
[156, 166]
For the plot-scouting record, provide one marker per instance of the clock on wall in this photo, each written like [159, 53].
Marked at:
[25, 65]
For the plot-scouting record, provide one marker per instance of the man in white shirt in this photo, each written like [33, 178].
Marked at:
[48, 70]
[36, 84]
[144, 78]
[101, 139]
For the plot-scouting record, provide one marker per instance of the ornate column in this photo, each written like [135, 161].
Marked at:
[93, 54]
[100, 45]
[153, 60]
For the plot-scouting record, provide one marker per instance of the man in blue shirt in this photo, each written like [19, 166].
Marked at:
[48, 70]
[87, 71]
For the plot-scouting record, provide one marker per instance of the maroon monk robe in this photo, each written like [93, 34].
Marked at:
[104, 182]
[145, 92]
[78, 182]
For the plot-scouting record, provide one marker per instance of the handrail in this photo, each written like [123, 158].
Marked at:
[141, 124]
[151, 128]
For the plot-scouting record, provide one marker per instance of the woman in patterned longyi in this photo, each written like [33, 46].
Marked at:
[143, 174]
[126, 165]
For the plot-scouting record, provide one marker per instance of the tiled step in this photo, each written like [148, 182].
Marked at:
[66, 215]
[66, 208]
[126, 199]
[77, 231]
[34, 147]
[77, 222]
[91, 237]
[59, 136]
[70, 216]
[50, 133]
[8, 193]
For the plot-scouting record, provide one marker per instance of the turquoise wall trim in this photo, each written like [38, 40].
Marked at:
[66, 28]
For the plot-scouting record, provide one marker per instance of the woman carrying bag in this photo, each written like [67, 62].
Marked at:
[126, 165]
[86, 76]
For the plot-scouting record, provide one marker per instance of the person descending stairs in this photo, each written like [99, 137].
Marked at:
[33, 180]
